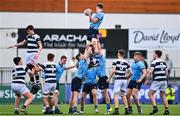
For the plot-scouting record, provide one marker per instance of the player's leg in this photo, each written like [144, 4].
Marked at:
[129, 94]
[56, 99]
[116, 92]
[23, 90]
[136, 99]
[153, 88]
[74, 101]
[103, 85]
[71, 104]
[123, 95]
[163, 96]
[107, 100]
[163, 88]
[46, 91]
[95, 100]
[83, 97]
[153, 101]
[52, 103]
[29, 99]
[17, 102]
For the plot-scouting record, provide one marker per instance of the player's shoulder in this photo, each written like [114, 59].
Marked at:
[157, 60]
[20, 67]
[141, 62]
[36, 36]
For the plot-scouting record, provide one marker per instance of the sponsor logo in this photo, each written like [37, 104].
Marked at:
[163, 37]
[65, 38]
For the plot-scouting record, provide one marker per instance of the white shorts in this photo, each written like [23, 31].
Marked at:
[30, 58]
[159, 85]
[120, 86]
[48, 89]
[18, 88]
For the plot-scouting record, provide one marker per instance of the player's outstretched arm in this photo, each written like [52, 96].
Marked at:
[18, 44]
[69, 67]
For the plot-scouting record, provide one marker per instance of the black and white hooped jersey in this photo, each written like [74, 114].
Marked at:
[19, 74]
[159, 69]
[121, 66]
[49, 69]
[32, 43]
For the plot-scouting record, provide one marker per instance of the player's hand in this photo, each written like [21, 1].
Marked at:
[89, 14]
[139, 81]
[108, 80]
[11, 46]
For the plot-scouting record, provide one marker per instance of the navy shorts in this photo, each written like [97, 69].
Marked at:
[102, 83]
[92, 33]
[89, 87]
[76, 84]
[133, 84]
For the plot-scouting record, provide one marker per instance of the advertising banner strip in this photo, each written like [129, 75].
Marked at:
[151, 39]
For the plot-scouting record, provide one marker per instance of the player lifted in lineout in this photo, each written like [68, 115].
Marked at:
[34, 47]
[95, 22]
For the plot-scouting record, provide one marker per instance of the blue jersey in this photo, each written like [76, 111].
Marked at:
[59, 71]
[90, 76]
[96, 25]
[137, 68]
[102, 66]
[82, 68]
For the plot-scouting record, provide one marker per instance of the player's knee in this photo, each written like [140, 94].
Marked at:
[94, 94]
[30, 96]
[134, 95]
[162, 94]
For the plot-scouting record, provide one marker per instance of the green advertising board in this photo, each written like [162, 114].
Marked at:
[7, 95]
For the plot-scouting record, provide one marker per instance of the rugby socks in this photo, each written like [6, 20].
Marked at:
[37, 79]
[108, 106]
[166, 109]
[95, 107]
[139, 108]
[154, 107]
[32, 79]
[130, 108]
[116, 109]
[82, 108]
[56, 107]
[126, 110]
[75, 109]
[70, 110]
[16, 109]
[53, 108]
[24, 106]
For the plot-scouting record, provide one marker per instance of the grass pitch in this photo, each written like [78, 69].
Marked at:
[89, 109]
